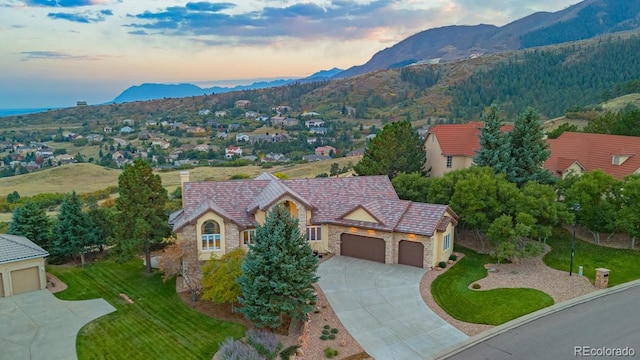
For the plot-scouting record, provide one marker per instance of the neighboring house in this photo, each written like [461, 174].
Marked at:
[204, 112]
[325, 150]
[577, 153]
[350, 111]
[21, 265]
[452, 147]
[251, 114]
[311, 140]
[310, 113]
[232, 151]
[129, 122]
[314, 123]
[356, 152]
[273, 157]
[234, 126]
[107, 129]
[318, 130]
[202, 147]
[94, 138]
[242, 137]
[315, 157]
[121, 142]
[65, 159]
[161, 143]
[360, 217]
[220, 113]
[370, 137]
[196, 130]
[242, 103]
[126, 129]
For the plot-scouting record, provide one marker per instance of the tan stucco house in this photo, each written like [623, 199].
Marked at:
[22, 266]
[360, 217]
[451, 147]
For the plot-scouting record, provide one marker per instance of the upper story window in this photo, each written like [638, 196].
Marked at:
[449, 161]
[210, 236]
[247, 236]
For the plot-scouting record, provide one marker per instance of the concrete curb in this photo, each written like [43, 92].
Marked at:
[532, 317]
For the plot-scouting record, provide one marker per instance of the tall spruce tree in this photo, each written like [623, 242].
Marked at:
[31, 221]
[278, 273]
[74, 230]
[494, 149]
[141, 219]
[528, 150]
[396, 149]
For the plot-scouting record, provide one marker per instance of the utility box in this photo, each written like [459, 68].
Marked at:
[602, 278]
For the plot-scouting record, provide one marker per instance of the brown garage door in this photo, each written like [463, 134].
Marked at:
[1, 286]
[362, 247]
[25, 280]
[411, 253]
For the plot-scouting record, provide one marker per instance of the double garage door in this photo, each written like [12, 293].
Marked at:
[22, 281]
[373, 249]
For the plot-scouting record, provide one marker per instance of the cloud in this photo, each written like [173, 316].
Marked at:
[63, 3]
[86, 17]
[57, 55]
[338, 19]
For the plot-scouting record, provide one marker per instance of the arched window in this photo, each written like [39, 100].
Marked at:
[210, 236]
[291, 207]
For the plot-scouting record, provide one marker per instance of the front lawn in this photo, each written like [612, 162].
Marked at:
[623, 263]
[492, 307]
[157, 326]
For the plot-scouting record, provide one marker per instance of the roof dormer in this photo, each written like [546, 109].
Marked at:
[617, 159]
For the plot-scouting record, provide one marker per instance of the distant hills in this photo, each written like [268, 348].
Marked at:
[152, 91]
[585, 20]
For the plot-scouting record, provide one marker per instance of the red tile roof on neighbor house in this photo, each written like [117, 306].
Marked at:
[460, 139]
[594, 151]
[330, 199]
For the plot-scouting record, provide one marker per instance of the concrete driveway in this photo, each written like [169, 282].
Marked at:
[36, 325]
[380, 305]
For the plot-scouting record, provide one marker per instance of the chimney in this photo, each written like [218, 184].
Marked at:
[184, 178]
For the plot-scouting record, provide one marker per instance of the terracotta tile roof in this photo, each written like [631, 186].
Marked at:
[460, 139]
[329, 198]
[594, 151]
[16, 248]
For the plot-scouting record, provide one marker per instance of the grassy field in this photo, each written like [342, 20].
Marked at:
[493, 307]
[157, 326]
[623, 263]
[86, 177]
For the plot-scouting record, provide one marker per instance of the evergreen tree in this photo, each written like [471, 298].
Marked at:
[528, 150]
[396, 149]
[74, 230]
[32, 222]
[278, 273]
[141, 221]
[494, 144]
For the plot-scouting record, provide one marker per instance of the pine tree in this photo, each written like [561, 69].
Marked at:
[396, 149]
[74, 230]
[141, 220]
[278, 273]
[31, 221]
[494, 144]
[528, 150]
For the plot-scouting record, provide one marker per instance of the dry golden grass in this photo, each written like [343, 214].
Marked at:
[620, 102]
[84, 178]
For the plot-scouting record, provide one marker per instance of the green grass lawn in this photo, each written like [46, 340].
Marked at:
[493, 307]
[157, 326]
[623, 263]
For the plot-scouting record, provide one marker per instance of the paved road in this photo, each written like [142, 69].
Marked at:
[36, 325]
[381, 307]
[611, 321]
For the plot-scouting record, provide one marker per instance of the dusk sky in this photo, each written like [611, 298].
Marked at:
[56, 52]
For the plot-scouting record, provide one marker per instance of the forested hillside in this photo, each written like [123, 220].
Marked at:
[551, 80]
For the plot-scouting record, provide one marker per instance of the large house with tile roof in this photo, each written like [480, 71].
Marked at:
[451, 147]
[358, 216]
[577, 153]
[22, 267]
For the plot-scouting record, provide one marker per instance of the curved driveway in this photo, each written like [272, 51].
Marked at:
[381, 307]
[36, 325]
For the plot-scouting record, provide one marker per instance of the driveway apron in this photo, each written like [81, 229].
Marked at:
[381, 307]
[36, 325]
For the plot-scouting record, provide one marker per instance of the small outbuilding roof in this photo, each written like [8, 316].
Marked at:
[15, 248]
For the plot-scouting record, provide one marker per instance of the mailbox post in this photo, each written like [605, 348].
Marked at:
[602, 278]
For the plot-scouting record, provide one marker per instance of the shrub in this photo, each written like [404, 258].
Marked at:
[453, 257]
[332, 336]
[325, 332]
[239, 177]
[237, 350]
[327, 327]
[442, 264]
[334, 331]
[330, 352]
[265, 343]
[324, 337]
[475, 286]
